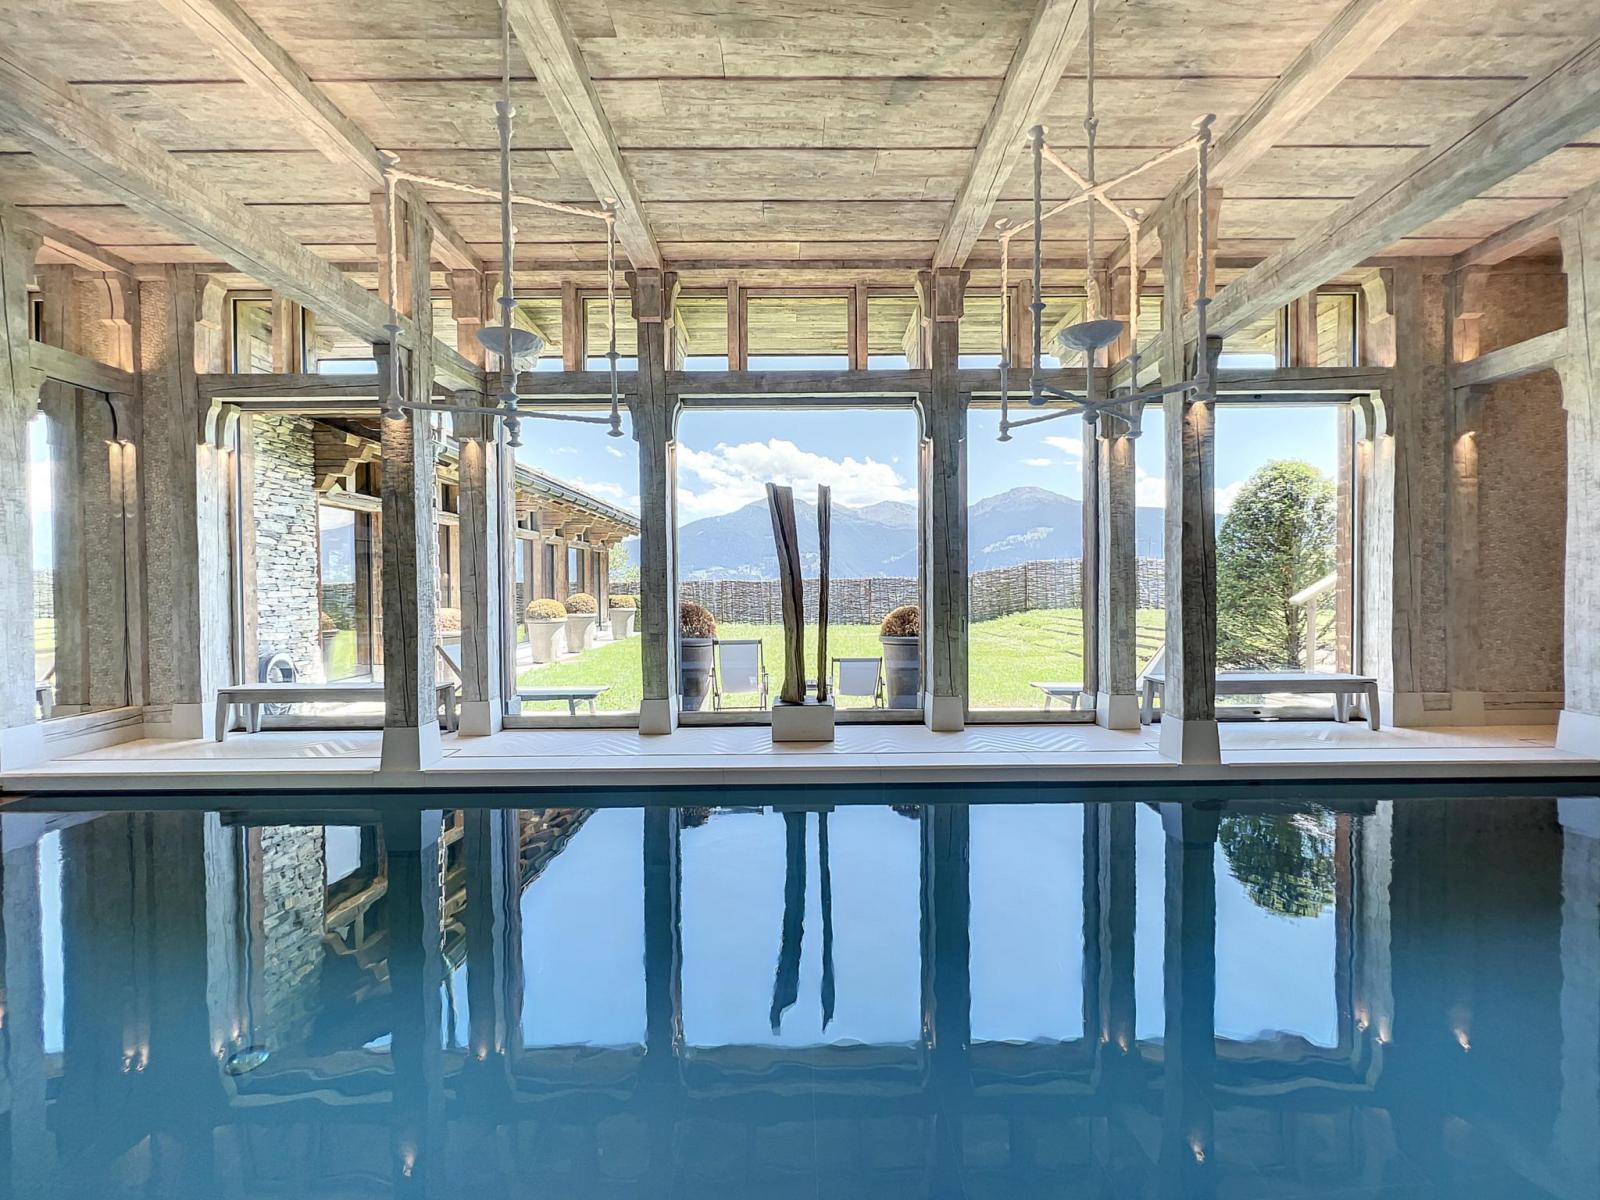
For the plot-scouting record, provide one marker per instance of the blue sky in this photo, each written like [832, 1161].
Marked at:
[867, 456]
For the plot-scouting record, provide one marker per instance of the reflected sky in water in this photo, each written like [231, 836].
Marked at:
[767, 997]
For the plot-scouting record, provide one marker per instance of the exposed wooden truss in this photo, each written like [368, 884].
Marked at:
[112, 155]
[1030, 84]
[541, 29]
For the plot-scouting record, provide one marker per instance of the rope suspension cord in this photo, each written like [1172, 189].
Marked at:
[391, 398]
[1091, 307]
[508, 302]
[611, 324]
[1035, 394]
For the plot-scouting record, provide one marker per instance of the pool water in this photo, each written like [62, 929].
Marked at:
[794, 994]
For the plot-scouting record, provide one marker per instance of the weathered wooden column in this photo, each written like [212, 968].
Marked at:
[942, 294]
[946, 971]
[484, 496]
[1113, 876]
[1579, 729]
[186, 468]
[1461, 530]
[654, 427]
[21, 742]
[1188, 707]
[410, 547]
[1111, 442]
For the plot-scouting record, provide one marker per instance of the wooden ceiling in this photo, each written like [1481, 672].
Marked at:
[766, 132]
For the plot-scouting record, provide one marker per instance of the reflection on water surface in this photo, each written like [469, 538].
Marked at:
[770, 998]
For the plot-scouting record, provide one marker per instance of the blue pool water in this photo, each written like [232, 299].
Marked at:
[774, 997]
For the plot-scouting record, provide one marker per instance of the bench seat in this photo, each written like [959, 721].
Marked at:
[1306, 683]
[1072, 693]
[251, 696]
[574, 696]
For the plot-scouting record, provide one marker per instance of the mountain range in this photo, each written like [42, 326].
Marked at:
[881, 539]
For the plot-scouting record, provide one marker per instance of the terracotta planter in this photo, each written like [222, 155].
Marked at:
[694, 672]
[902, 671]
[547, 640]
[580, 631]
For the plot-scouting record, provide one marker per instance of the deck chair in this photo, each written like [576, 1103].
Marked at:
[859, 677]
[741, 670]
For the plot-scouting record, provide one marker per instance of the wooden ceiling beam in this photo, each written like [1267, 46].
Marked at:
[1555, 109]
[1525, 234]
[110, 155]
[1349, 40]
[1036, 68]
[268, 68]
[541, 29]
[80, 250]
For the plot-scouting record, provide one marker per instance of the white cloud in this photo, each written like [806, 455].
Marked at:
[718, 481]
[1225, 496]
[1149, 491]
[1036, 462]
[614, 452]
[1072, 447]
[606, 491]
[566, 449]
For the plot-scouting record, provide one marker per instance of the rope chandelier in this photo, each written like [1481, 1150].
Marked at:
[506, 342]
[1095, 332]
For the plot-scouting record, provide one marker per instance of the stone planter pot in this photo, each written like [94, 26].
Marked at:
[329, 636]
[694, 672]
[622, 620]
[580, 632]
[902, 671]
[547, 640]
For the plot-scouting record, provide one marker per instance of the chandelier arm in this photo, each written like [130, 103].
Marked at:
[1037, 306]
[1005, 334]
[471, 189]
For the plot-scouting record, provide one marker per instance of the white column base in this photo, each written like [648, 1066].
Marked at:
[22, 746]
[407, 749]
[1409, 710]
[806, 722]
[181, 722]
[944, 714]
[1116, 712]
[658, 717]
[1578, 733]
[480, 718]
[1191, 741]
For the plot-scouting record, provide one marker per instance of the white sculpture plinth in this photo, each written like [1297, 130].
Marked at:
[805, 722]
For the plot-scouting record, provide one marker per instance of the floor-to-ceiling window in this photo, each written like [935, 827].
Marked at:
[730, 607]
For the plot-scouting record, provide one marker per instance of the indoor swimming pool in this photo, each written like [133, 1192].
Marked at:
[792, 994]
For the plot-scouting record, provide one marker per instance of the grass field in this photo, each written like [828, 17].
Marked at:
[1007, 655]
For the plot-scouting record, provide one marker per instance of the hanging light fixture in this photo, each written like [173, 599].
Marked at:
[510, 345]
[1095, 332]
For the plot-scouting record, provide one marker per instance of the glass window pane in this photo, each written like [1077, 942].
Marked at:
[542, 315]
[980, 330]
[332, 351]
[700, 325]
[1258, 345]
[892, 325]
[1059, 312]
[252, 337]
[1336, 329]
[792, 332]
[596, 333]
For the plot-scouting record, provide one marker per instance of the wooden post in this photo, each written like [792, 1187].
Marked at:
[410, 547]
[653, 423]
[1089, 562]
[1579, 729]
[1188, 713]
[21, 742]
[944, 626]
[288, 336]
[1461, 516]
[469, 309]
[482, 499]
[1115, 631]
[186, 501]
[1303, 331]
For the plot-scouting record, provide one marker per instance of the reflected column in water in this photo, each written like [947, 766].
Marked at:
[494, 949]
[1189, 1055]
[1114, 884]
[1578, 1149]
[29, 1145]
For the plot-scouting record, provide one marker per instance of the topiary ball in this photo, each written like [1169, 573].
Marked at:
[905, 621]
[546, 610]
[696, 622]
[582, 602]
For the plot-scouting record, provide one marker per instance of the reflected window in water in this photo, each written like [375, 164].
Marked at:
[1027, 922]
[801, 928]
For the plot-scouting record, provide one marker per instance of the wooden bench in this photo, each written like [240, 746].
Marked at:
[1072, 693]
[1343, 688]
[251, 696]
[574, 696]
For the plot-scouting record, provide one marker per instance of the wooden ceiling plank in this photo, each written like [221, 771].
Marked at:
[541, 29]
[1555, 109]
[115, 158]
[74, 246]
[267, 67]
[1036, 68]
[1527, 233]
[1349, 40]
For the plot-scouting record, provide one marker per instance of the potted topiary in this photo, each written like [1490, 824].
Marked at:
[901, 638]
[583, 610]
[330, 633]
[546, 623]
[697, 631]
[448, 622]
[624, 611]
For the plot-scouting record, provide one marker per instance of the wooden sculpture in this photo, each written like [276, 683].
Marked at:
[824, 531]
[791, 586]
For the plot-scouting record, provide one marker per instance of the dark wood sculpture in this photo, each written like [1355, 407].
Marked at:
[824, 532]
[791, 587]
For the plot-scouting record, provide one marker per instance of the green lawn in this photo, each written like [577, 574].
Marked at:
[1006, 656]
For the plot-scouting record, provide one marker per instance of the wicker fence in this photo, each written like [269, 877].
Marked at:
[1053, 583]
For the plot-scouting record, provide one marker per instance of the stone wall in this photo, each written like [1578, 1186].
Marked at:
[292, 881]
[1522, 506]
[283, 522]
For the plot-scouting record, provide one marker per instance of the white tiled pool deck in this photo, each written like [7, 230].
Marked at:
[1281, 751]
